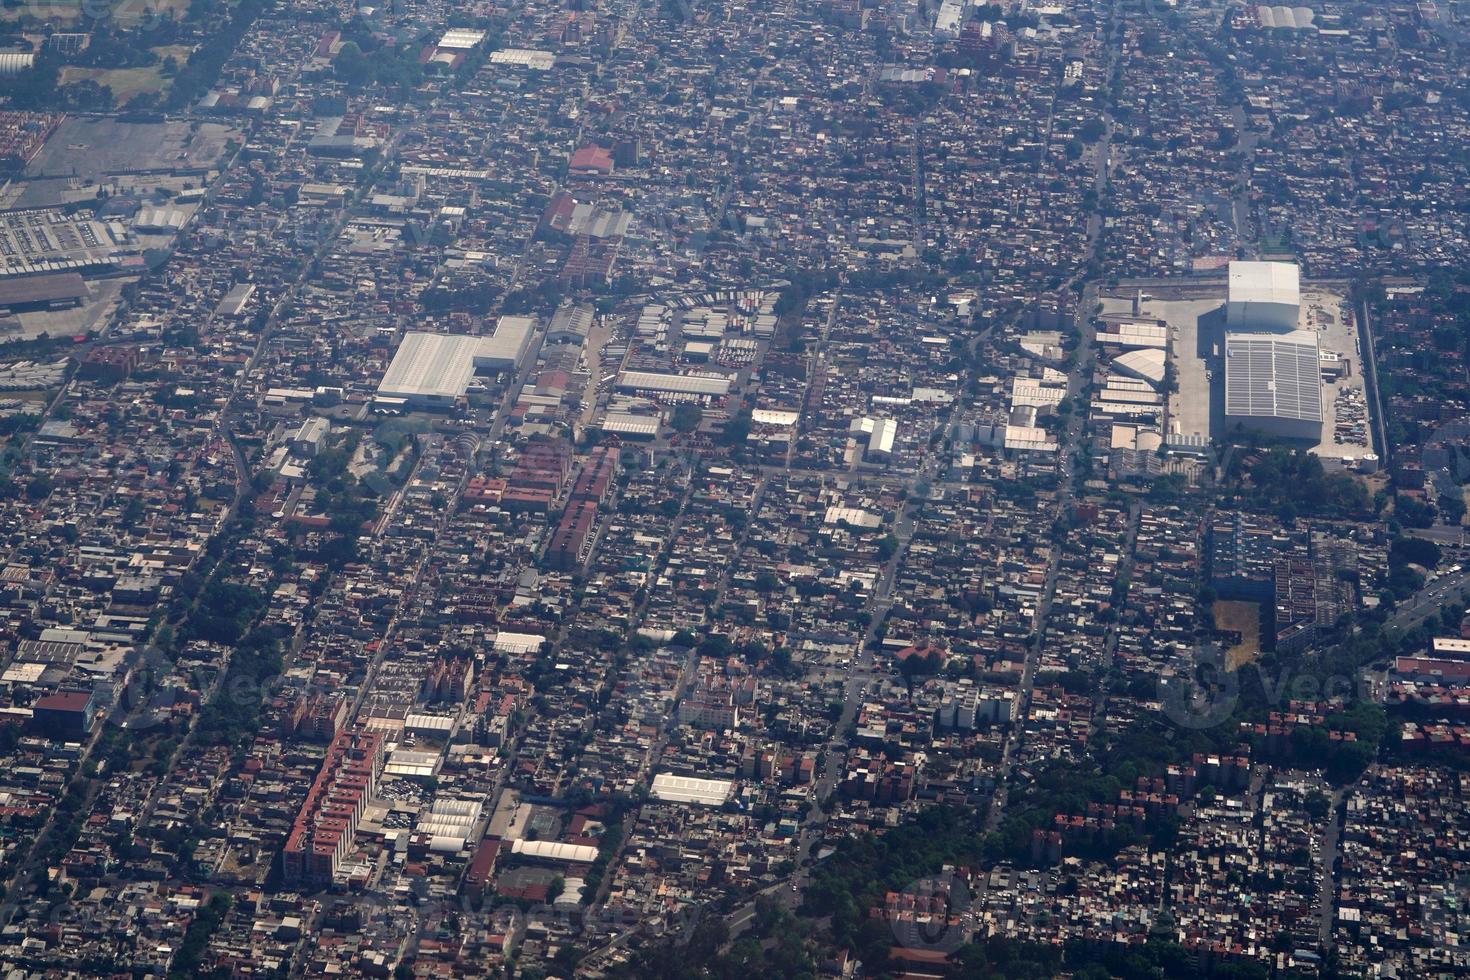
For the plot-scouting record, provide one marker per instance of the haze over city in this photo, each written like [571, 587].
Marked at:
[698, 489]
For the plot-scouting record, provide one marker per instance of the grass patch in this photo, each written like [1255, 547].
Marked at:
[132, 13]
[127, 13]
[124, 82]
[54, 11]
[179, 52]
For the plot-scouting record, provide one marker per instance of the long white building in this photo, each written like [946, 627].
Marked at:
[435, 369]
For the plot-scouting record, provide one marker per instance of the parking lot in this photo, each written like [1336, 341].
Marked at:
[1197, 336]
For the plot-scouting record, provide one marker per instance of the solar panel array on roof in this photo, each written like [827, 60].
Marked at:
[1273, 376]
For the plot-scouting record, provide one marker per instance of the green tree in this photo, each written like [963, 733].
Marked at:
[686, 417]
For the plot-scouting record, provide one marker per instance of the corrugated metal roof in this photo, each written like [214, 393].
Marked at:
[431, 365]
[1273, 376]
[678, 384]
[555, 851]
[689, 789]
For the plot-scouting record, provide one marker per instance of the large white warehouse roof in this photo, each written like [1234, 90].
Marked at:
[1134, 334]
[1145, 364]
[674, 384]
[1265, 282]
[431, 365]
[439, 366]
[1276, 376]
[505, 348]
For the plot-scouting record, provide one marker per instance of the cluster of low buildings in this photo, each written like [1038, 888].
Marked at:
[1400, 883]
[1217, 144]
[588, 482]
[1241, 881]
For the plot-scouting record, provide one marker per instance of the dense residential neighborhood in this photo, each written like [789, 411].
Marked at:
[843, 489]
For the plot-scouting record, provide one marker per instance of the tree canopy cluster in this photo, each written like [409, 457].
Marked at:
[1293, 483]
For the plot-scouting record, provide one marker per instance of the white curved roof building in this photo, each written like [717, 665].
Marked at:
[546, 850]
[1285, 18]
[15, 62]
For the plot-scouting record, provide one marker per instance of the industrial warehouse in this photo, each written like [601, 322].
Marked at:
[823, 490]
[1263, 296]
[1267, 354]
[432, 370]
[1273, 377]
[1273, 384]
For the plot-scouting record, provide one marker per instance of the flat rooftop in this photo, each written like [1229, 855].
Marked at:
[689, 789]
[1273, 376]
[45, 288]
[678, 384]
[431, 365]
[440, 366]
[1265, 282]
